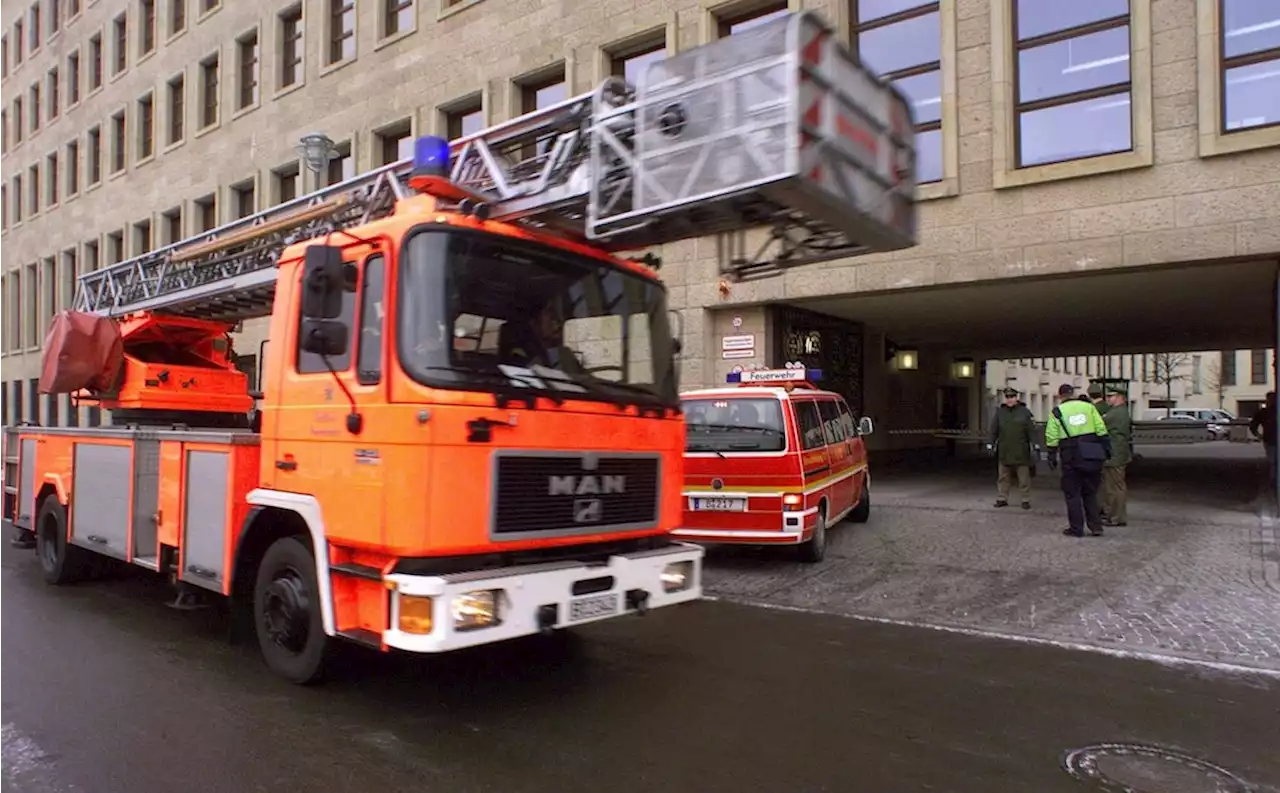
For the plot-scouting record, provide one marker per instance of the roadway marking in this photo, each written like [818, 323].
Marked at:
[1164, 660]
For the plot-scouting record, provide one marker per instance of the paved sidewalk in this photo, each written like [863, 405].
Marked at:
[1193, 575]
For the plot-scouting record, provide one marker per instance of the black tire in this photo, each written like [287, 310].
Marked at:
[862, 511]
[815, 549]
[60, 562]
[287, 616]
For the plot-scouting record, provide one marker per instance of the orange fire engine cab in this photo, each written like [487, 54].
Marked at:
[773, 460]
[467, 425]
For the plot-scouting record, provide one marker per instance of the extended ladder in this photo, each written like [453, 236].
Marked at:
[778, 127]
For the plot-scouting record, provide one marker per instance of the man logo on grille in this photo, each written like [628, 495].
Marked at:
[587, 510]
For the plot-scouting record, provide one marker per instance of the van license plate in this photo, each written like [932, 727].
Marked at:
[719, 504]
[589, 608]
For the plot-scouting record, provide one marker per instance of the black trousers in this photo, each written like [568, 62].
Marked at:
[1080, 487]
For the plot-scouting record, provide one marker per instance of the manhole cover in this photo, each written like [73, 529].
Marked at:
[1134, 768]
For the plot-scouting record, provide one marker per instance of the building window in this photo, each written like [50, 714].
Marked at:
[35, 26]
[207, 212]
[209, 92]
[4, 130]
[247, 68]
[4, 59]
[17, 198]
[115, 247]
[286, 183]
[120, 28]
[18, 28]
[18, 120]
[1250, 52]
[1197, 375]
[172, 225]
[342, 30]
[537, 93]
[631, 63]
[395, 143]
[55, 16]
[147, 35]
[243, 196]
[35, 108]
[1228, 366]
[146, 127]
[1072, 81]
[177, 107]
[905, 47]
[464, 118]
[30, 313]
[48, 291]
[55, 98]
[209, 5]
[70, 272]
[33, 187]
[73, 8]
[95, 156]
[73, 78]
[73, 167]
[342, 167]
[95, 62]
[141, 237]
[177, 17]
[398, 16]
[51, 174]
[118, 142]
[291, 46]
[4, 208]
[1257, 367]
[90, 256]
[728, 24]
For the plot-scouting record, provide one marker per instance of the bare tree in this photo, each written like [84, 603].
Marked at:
[1169, 368]
[1215, 382]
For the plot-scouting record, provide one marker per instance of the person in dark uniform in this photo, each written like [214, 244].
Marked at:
[1077, 434]
[1263, 427]
[1012, 428]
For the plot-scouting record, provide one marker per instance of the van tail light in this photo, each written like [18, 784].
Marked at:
[792, 502]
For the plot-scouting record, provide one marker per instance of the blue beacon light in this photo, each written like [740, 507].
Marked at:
[430, 156]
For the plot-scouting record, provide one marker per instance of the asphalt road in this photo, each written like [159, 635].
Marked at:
[105, 689]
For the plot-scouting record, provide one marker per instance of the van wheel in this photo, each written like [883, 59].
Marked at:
[815, 549]
[60, 562]
[286, 613]
[862, 511]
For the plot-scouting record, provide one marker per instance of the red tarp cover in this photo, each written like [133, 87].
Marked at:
[80, 351]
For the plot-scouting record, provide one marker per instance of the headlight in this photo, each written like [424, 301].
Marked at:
[677, 576]
[478, 609]
[416, 614]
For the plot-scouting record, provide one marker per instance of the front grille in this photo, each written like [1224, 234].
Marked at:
[574, 493]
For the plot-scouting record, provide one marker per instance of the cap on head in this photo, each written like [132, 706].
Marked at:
[1066, 389]
[1010, 393]
[1095, 389]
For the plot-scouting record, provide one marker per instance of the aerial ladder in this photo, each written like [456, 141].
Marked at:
[479, 501]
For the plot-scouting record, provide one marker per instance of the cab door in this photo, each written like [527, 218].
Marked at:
[857, 449]
[840, 456]
[815, 465]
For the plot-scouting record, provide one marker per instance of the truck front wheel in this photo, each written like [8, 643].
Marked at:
[286, 612]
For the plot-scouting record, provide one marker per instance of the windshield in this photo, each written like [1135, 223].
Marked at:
[739, 424]
[489, 313]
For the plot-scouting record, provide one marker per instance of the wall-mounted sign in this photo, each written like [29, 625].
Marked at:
[744, 342]
[738, 353]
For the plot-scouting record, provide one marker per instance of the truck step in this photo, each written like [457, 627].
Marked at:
[11, 489]
[148, 562]
[358, 570]
[362, 636]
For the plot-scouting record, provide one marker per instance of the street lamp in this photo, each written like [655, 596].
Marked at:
[316, 149]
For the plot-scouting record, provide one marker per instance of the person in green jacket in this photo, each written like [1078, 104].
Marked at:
[1012, 428]
[1098, 398]
[1076, 433]
[1115, 492]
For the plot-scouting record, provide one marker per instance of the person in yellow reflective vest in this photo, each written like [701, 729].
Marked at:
[1077, 434]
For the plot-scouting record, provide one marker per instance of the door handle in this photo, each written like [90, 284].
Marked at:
[287, 465]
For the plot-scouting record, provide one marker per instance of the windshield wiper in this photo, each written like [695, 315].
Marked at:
[743, 427]
[705, 448]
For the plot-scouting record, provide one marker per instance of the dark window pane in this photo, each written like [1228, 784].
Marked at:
[1253, 95]
[1080, 129]
[902, 44]
[929, 156]
[1038, 17]
[1078, 64]
[925, 93]
[868, 10]
[1249, 26]
[634, 68]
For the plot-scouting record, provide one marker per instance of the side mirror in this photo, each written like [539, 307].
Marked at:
[322, 282]
[326, 337]
[865, 427]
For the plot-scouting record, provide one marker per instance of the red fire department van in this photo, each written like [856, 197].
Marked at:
[772, 460]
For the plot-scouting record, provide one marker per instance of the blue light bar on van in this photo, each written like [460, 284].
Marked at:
[430, 156]
[767, 376]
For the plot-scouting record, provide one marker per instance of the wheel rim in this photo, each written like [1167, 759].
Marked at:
[49, 544]
[286, 610]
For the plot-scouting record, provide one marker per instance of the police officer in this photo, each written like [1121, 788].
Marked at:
[1097, 397]
[1076, 433]
[1115, 493]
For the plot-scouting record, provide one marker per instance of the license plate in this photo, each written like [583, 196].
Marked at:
[588, 608]
[719, 504]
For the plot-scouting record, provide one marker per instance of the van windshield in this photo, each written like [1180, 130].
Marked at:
[739, 424]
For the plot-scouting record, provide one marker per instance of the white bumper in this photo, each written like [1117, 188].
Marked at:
[528, 591]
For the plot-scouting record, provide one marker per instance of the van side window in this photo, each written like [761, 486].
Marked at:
[369, 351]
[309, 362]
[846, 420]
[831, 421]
[810, 420]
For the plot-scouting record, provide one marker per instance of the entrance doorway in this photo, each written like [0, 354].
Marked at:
[820, 341]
